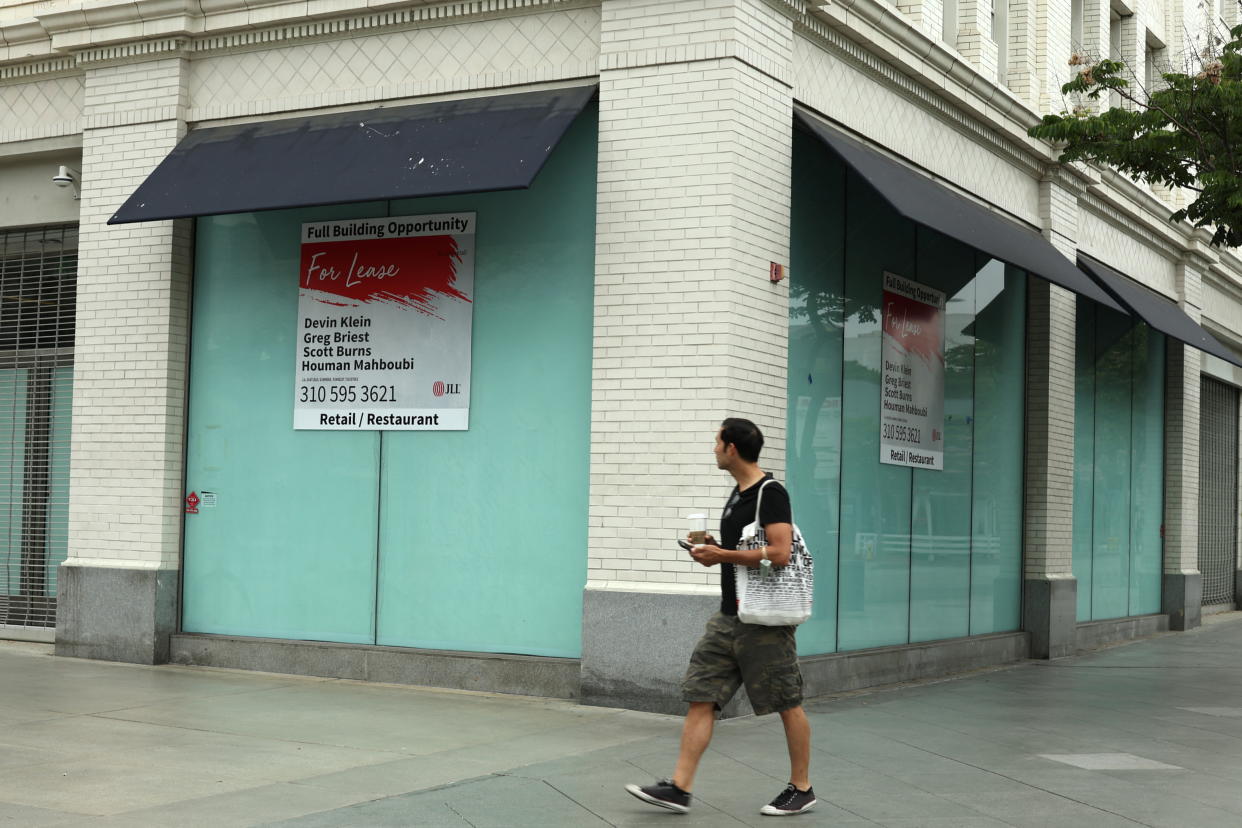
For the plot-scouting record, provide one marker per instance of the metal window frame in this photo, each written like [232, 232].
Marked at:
[38, 269]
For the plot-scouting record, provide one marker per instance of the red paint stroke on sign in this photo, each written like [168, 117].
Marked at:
[413, 272]
[914, 325]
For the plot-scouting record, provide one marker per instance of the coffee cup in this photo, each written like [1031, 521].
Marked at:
[698, 528]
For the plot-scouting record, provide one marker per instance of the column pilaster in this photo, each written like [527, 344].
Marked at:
[119, 585]
[695, 141]
[1182, 582]
[1049, 586]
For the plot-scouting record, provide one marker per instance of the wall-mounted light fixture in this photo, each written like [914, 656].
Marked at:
[67, 177]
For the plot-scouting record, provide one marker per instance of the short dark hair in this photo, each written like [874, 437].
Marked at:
[743, 434]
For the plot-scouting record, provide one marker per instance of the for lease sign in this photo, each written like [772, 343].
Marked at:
[385, 308]
[912, 375]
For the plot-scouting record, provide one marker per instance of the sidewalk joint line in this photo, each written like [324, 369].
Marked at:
[1025, 784]
[459, 816]
[579, 804]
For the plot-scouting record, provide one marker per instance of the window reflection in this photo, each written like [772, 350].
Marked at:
[902, 554]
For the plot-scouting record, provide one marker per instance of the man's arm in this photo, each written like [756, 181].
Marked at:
[780, 547]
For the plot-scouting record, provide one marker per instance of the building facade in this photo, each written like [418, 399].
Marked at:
[729, 195]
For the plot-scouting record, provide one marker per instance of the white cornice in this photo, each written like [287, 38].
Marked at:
[108, 30]
[793, 9]
[140, 50]
[38, 69]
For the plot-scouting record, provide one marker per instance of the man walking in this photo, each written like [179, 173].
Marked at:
[732, 653]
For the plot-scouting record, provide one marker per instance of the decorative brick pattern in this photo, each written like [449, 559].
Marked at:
[891, 119]
[523, 49]
[130, 350]
[1222, 304]
[1100, 236]
[46, 108]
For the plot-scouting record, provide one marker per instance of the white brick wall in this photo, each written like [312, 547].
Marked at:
[1053, 47]
[1181, 459]
[974, 35]
[693, 205]
[1023, 39]
[130, 349]
[1058, 205]
[1049, 502]
[925, 15]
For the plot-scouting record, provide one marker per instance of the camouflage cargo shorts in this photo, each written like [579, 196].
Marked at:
[731, 653]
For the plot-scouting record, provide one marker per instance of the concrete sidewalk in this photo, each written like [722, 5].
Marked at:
[1144, 734]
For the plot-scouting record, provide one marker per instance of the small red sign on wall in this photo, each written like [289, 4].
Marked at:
[191, 503]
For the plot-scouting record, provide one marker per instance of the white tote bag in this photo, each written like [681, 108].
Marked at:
[783, 597]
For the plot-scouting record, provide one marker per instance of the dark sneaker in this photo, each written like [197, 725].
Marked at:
[790, 801]
[664, 794]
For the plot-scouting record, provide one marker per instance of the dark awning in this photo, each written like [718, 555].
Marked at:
[460, 146]
[1157, 311]
[933, 205]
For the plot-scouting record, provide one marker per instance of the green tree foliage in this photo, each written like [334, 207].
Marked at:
[1186, 134]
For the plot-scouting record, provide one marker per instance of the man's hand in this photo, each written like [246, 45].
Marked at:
[707, 554]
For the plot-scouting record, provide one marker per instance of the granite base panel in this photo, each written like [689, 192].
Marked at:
[488, 672]
[635, 647]
[116, 614]
[38, 635]
[1181, 599]
[1049, 615]
[1091, 635]
[841, 672]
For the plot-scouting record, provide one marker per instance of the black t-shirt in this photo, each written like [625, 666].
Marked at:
[739, 512]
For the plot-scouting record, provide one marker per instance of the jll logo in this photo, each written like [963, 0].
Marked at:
[441, 388]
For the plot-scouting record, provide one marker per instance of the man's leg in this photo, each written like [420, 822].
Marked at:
[696, 734]
[798, 738]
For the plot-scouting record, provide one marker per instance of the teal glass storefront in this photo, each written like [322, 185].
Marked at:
[395, 537]
[905, 555]
[1118, 464]
[902, 555]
